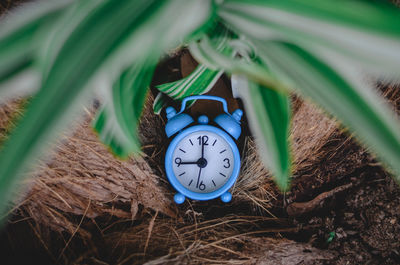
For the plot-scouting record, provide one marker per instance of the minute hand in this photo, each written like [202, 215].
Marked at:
[198, 178]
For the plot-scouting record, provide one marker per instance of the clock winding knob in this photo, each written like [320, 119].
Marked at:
[203, 119]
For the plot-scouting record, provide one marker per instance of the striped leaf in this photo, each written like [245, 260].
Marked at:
[160, 102]
[341, 91]
[78, 53]
[268, 112]
[117, 122]
[200, 81]
[367, 31]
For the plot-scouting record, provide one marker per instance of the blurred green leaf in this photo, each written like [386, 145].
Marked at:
[341, 92]
[367, 31]
[118, 120]
[22, 34]
[205, 51]
[269, 112]
[78, 53]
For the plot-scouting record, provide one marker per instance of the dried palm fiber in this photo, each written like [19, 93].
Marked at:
[254, 185]
[324, 153]
[9, 113]
[228, 240]
[83, 177]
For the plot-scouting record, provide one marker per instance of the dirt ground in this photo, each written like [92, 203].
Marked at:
[360, 223]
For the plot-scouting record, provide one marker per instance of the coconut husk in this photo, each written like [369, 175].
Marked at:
[83, 178]
[254, 185]
[9, 113]
[227, 240]
[324, 153]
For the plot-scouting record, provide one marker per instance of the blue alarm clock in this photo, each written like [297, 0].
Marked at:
[202, 161]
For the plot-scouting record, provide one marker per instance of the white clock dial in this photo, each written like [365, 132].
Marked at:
[203, 173]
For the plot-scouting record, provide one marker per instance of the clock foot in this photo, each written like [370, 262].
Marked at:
[226, 197]
[179, 198]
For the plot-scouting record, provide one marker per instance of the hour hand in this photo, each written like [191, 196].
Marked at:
[179, 162]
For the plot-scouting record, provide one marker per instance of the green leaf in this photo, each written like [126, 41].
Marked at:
[367, 31]
[95, 41]
[200, 81]
[21, 35]
[159, 103]
[269, 112]
[118, 120]
[205, 51]
[165, 30]
[341, 91]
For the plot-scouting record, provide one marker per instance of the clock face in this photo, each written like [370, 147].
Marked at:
[203, 161]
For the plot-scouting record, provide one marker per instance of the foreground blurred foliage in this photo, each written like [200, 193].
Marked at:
[64, 52]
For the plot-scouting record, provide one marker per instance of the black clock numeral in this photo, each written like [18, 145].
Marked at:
[203, 140]
[202, 186]
[227, 165]
[178, 161]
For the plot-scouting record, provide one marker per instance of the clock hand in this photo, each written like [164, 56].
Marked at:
[198, 178]
[187, 163]
[202, 147]
[179, 162]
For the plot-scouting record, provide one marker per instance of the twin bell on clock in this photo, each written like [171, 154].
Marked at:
[202, 161]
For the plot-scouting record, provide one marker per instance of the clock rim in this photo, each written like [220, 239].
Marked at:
[174, 180]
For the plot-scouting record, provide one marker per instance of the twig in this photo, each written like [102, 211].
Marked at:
[299, 208]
